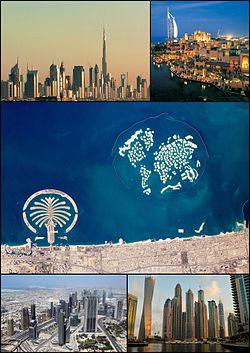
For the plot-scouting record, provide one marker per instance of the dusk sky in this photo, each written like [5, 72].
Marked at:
[56, 281]
[215, 287]
[230, 17]
[42, 32]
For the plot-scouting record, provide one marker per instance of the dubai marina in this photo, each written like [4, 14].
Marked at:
[194, 314]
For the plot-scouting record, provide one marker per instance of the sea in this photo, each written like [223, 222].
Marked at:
[69, 146]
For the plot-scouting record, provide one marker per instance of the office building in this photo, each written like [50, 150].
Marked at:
[10, 327]
[55, 80]
[31, 85]
[79, 82]
[25, 320]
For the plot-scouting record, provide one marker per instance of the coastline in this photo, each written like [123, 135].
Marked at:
[222, 253]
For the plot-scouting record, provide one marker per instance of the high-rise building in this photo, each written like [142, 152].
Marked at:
[55, 80]
[183, 325]
[232, 325]
[62, 328]
[25, 320]
[144, 94]
[213, 320]
[146, 319]
[221, 320]
[177, 313]
[96, 76]
[79, 81]
[167, 320]
[201, 320]
[31, 85]
[190, 314]
[104, 59]
[62, 78]
[7, 91]
[15, 78]
[91, 76]
[74, 318]
[240, 292]
[172, 26]
[91, 310]
[10, 327]
[33, 329]
[104, 294]
[132, 307]
[33, 311]
[118, 309]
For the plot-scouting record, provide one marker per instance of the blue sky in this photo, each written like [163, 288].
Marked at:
[215, 287]
[231, 17]
[55, 281]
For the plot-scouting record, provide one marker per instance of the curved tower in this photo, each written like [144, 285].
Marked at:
[146, 319]
[172, 26]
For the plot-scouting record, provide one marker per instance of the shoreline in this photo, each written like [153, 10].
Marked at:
[222, 253]
[139, 242]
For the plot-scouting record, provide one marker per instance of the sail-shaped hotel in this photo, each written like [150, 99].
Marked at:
[172, 26]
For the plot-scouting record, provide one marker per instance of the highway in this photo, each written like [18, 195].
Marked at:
[113, 341]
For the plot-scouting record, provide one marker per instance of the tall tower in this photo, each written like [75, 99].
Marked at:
[172, 26]
[146, 318]
[91, 310]
[25, 321]
[177, 313]
[104, 62]
[190, 314]
[132, 306]
[213, 320]
[221, 320]
[167, 320]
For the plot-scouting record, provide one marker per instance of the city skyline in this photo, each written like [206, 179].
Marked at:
[215, 288]
[17, 281]
[88, 19]
[227, 17]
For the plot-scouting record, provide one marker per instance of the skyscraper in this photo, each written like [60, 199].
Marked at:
[31, 85]
[177, 313]
[240, 292]
[79, 81]
[184, 325]
[213, 320]
[10, 327]
[221, 320]
[146, 319]
[132, 307]
[104, 62]
[167, 320]
[25, 320]
[33, 323]
[118, 309]
[172, 26]
[91, 310]
[62, 78]
[201, 321]
[14, 77]
[190, 314]
[55, 80]
[62, 325]
[33, 311]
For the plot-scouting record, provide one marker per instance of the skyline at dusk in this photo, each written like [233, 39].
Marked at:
[229, 17]
[79, 40]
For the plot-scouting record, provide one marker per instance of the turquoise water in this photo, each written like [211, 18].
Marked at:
[69, 147]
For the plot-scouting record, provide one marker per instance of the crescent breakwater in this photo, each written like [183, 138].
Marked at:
[222, 253]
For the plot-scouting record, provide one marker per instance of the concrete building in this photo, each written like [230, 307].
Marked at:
[79, 81]
[25, 320]
[240, 293]
[190, 314]
[31, 85]
[177, 313]
[221, 320]
[232, 325]
[213, 320]
[10, 327]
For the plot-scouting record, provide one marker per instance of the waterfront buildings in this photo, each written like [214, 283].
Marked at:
[132, 307]
[201, 317]
[167, 320]
[58, 86]
[145, 329]
[240, 293]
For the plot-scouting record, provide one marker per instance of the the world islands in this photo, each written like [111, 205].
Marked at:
[223, 253]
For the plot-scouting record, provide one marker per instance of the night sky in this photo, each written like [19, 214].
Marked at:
[230, 17]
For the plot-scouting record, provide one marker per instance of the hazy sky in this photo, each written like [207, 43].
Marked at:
[42, 32]
[215, 287]
[55, 281]
[231, 17]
